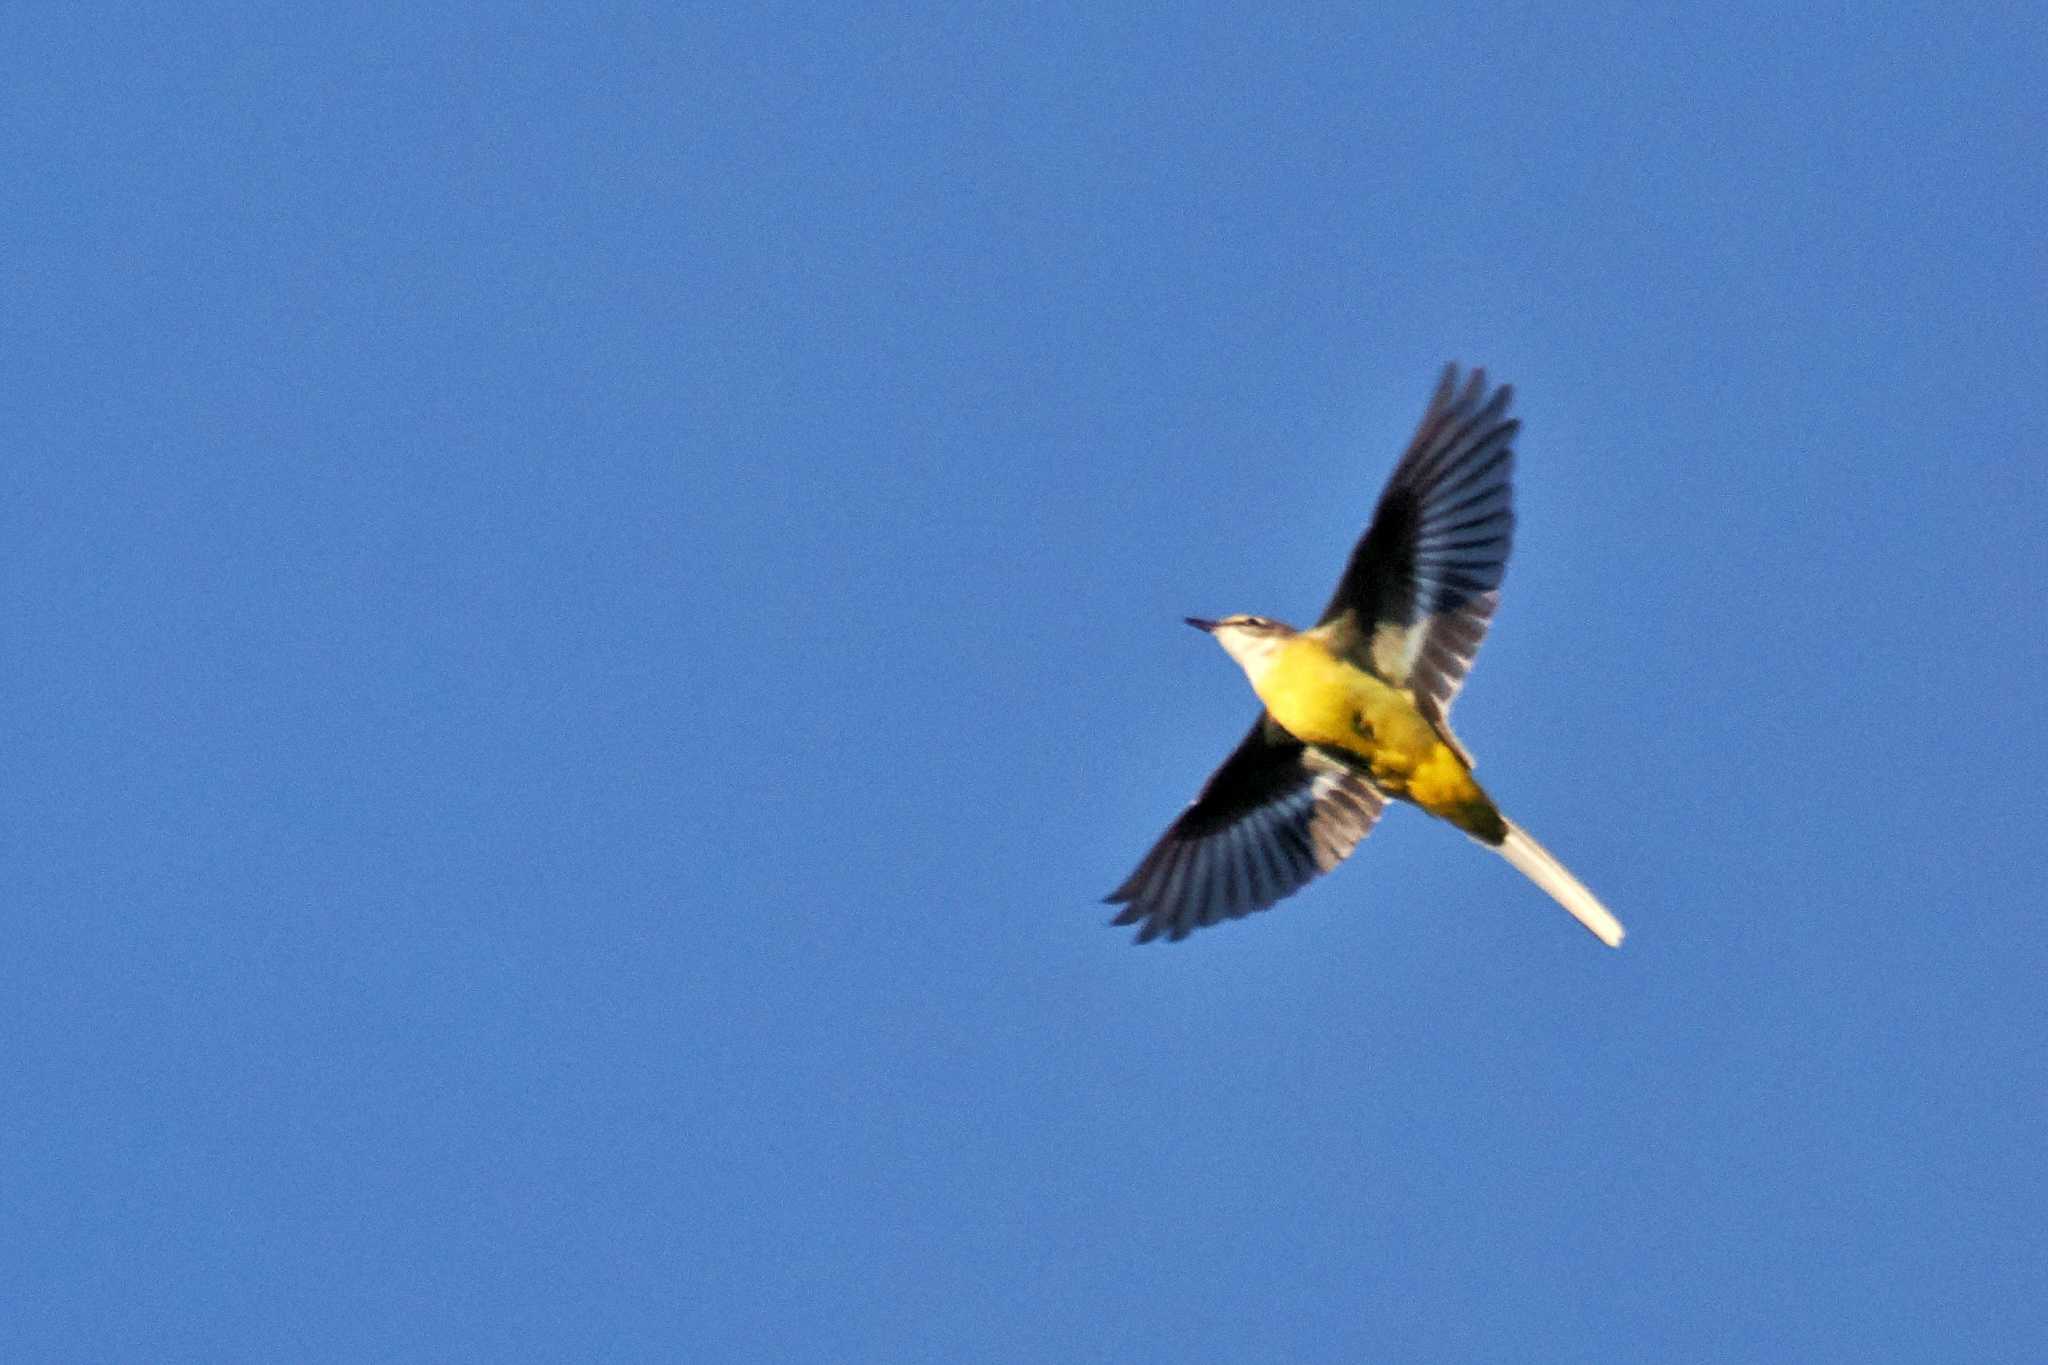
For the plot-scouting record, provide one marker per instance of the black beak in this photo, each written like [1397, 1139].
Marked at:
[1199, 624]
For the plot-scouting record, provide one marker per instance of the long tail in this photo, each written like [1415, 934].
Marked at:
[1533, 861]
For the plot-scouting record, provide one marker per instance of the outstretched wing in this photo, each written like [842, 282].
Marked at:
[1423, 581]
[1269, 820]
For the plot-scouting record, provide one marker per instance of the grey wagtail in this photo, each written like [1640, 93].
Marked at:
[1357, 709]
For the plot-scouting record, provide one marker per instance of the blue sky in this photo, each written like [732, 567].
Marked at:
[592, 602]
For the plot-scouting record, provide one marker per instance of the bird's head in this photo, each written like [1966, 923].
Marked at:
[1250, 640]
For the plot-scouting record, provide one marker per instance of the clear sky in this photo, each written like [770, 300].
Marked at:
[592, 601]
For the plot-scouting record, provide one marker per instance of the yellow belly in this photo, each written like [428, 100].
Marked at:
[1323, 700]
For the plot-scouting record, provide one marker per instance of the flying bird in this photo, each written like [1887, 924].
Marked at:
[1357, 708]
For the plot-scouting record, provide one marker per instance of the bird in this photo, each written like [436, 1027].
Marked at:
[1356, 709]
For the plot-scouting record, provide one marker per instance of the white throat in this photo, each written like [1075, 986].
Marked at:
[1253, 650]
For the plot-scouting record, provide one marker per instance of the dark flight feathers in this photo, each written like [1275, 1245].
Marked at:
[1423, 582]
[1273, 816]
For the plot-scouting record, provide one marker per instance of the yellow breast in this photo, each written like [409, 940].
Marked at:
[1313, 694]
[1325, 700]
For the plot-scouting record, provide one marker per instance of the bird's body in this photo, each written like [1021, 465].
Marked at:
[1357, 708]
[1323, 699]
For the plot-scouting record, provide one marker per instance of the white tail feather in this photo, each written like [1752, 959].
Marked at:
[1533, 861]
